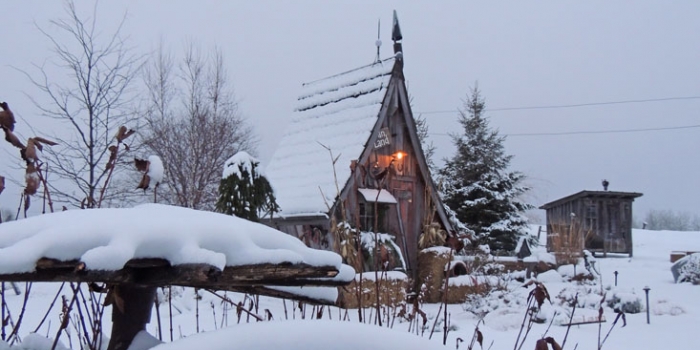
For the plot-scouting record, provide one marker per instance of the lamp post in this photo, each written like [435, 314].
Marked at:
[616, 278]
[646, 290]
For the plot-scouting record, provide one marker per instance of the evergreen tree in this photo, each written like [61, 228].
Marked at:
[427, 145]
[244, 191]
[476, 184]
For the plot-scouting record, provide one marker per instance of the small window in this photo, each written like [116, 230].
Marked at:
[592, 216]
[367, 218]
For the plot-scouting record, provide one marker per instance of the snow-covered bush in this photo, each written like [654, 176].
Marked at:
[625, 301]
[584, 297]
[577, 272]
[690, 271]
[663, 307]
[389, 253]
[481, 305]
[492, 268]
[244, 191]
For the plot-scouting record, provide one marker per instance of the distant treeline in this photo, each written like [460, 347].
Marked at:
[669, 220]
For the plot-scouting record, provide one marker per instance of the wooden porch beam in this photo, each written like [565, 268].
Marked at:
[159, 272]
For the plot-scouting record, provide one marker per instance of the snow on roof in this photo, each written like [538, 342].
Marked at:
[370, 195]
[242, 158]
[338, 112]
[105, 239]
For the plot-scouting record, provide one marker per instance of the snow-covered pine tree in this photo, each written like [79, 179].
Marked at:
[244, 191]
[477, 185]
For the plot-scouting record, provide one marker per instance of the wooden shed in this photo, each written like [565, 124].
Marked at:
[351, 153]
[599, 221]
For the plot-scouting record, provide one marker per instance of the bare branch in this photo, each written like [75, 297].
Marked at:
[94, 103]
[193, 124]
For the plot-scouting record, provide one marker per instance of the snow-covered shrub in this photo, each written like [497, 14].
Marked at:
[481, 305]
[244, 191]
[389, 253]
[492, 268]
[627, 302]
[576, 273]
[690, 271]
[588, 297]
[663, 307]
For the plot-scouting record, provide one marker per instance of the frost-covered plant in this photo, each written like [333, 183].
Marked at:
[690, 271]
[347, 237]
[433, 235]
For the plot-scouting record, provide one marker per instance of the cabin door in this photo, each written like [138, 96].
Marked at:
[406, 209]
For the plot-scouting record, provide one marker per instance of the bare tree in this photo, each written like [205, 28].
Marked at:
[193, 125]
[92, 101]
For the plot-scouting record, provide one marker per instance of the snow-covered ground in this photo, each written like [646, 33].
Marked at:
[675, 312]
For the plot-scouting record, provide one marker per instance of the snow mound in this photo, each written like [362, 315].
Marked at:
[37, 342]
[550, 276]
[302, 335]
[143, 341]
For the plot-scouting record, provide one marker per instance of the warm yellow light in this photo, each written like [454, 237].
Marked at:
[399, 155]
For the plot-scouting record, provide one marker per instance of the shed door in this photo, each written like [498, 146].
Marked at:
[616, 236]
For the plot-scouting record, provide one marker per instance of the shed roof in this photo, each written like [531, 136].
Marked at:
[592, 194]
[338, 112]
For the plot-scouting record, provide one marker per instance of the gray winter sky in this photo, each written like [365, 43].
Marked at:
[523, 54]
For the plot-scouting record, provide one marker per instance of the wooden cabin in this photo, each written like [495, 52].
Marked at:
[352, 142]
[599, 221]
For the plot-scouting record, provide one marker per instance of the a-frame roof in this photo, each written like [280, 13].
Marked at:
[341, 113]
[336, 113]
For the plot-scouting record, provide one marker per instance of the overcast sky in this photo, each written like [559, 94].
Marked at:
[522, 54]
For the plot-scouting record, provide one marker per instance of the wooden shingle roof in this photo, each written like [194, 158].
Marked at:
[591, 194]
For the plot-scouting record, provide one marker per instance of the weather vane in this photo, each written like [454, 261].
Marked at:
[378, 43]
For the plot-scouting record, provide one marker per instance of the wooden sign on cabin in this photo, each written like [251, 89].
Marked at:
[382, 139]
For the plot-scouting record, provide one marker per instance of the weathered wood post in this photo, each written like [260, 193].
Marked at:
[135, 312]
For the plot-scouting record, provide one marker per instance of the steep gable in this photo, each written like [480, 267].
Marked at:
[338, 112]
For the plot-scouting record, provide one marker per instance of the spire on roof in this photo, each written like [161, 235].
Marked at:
[396, 29]
[396, 35]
